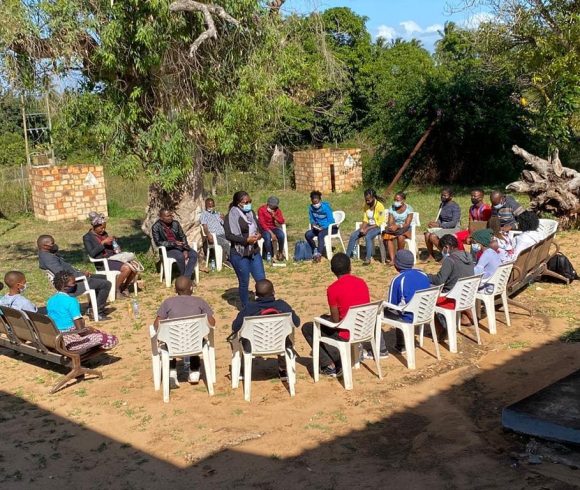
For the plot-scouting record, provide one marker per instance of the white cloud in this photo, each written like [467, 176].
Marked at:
[387, 32]
[434, 29]
[410, 27]
[475, 20]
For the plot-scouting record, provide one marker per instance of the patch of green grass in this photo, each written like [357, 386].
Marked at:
[317, 426]
[237, 412]
[518, 345]
[571, 335]
[81, 392]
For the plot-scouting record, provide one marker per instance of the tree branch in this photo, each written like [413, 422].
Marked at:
[207, 10]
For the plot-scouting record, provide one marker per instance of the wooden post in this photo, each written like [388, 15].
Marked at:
[410, 157]
[25, 127]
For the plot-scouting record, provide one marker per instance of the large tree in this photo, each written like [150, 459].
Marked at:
[176, 87]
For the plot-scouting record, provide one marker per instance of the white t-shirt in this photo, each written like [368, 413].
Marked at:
[526, 240]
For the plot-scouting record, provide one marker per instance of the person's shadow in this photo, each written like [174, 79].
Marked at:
[233, 298]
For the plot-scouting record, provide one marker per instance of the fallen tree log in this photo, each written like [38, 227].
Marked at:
[552, 187]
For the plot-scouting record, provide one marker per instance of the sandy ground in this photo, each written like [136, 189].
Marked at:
[435, 427]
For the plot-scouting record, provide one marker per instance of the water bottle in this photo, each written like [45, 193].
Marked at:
[269, 258]
[135, 308]
[212, 265]
[116, 247]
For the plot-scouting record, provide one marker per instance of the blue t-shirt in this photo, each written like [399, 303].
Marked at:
[63, 310]
[322, 216]
[400, 218]
[404, 286]
[18, 302]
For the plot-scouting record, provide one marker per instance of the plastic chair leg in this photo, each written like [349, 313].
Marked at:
[156, 363]
[161, 272]
[316, 352]
[488, 302]
[476, 322]
[291, 370]
[247, 376]
[94, 305]
[165, 375]
[328, 247]
[435, 339]
[236, 367]
[207, 369]
[346, 361]
[209, 248]
[451, 321]
[375, 346]
[355, 354]
[219, 257]
[409, 334]
[506, 310]
[168, 271]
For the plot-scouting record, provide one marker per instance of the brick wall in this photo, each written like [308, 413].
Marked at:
[312, 169]
[67, 192]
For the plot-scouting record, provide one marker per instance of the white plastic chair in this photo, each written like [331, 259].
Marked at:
[499, 281]
[182, 337]
[363, 323]
[463, 293]
[339, 217]
[422, 306]
[412, 242]
[362, 243]
[110, 275]
[286, 253]
[548, 227]
[267, 335]
[216, 247]
[88, 292]
[166, 266]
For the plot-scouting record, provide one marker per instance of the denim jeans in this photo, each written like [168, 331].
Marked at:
[244, 266]
[321, 234]
[184, 269]
[369, 240]
[268, 240]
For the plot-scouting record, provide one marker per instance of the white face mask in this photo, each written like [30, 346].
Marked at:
[475, 247]
[210, 210]
[23, 288]
[317, 205]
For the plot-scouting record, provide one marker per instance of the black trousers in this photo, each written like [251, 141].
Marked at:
[101, 286]
[328, 353]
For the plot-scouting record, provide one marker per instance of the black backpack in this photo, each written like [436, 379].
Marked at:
[560, 264]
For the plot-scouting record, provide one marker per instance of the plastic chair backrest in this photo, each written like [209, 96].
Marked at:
[500, 277]
[464, 292]
[267, 333]
[416, 221]
[183, 336]
[361, 321]
[18, 324]
[422, 304]
[339, 217]
[548, 226]
[45, 329]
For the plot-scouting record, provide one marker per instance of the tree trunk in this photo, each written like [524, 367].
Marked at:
[552, 188]
[186, 202]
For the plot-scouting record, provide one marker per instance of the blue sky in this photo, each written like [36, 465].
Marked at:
[420, 19]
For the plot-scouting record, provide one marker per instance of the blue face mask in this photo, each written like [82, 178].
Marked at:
[397, 204]
[498, 206]
[475, 247]
[246, 208]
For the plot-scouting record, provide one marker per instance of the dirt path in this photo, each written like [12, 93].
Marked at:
[435, 427]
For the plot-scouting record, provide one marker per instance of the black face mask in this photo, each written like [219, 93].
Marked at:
[474, 200]
[71, 289]
[53, 249]
[445, 199]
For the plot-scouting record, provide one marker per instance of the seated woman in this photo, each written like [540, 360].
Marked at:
[65, 312]
[99, 245]
[528, 224]
[485, 246]
[398, 225]
[503, 236]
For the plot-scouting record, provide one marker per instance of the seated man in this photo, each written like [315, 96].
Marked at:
[16, 282]
[181, 306]
[506, 208]
[528, 224]
[167, 232]
[486, 249]
[447, 221]
[479, 214]
[346, 291]
[402, 289]
[266, 304]
[213, 222]
[65, 312]
[49, 260]
[456, 264]
[321, 216]
[270, 218]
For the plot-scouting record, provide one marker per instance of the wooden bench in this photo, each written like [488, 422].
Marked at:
[530, 265]
[36, 335]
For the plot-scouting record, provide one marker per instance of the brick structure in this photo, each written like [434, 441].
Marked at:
[328, 170]
[67, 192]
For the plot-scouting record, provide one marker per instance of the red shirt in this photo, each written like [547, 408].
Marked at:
[268, 221]
[347, 291]
[481, 213]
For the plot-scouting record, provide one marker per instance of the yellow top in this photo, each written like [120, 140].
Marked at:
[376, 217]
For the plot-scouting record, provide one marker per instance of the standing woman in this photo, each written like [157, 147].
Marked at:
[99, 245]
[398, 225]
[243, 232]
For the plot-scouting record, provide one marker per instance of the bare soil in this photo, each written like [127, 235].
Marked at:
[435, 427]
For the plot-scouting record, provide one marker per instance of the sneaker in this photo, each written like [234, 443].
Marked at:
[283, 375]
[366, 262]
[226, 263]
[317, 258]
[368, 355]
[330, 371]
[103, 318]
[173, 378]
[193, 377]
